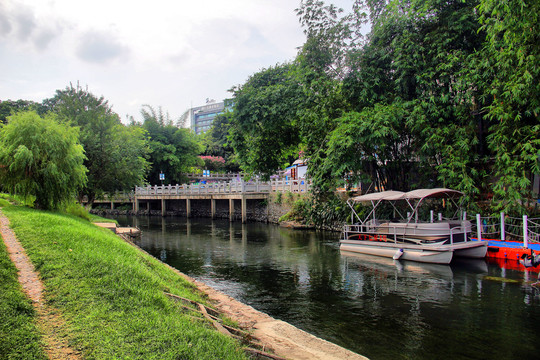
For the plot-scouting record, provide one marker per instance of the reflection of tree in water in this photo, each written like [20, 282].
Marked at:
[362, 303]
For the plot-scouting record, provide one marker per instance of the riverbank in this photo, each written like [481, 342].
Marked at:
[111, 296]
[107, 292]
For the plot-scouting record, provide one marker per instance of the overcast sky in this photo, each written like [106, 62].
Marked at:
[169, 53]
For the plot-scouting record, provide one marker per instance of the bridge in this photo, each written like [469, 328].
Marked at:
[187, 196]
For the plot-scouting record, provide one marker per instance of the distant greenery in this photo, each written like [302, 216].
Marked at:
[110, 294]
[216, 142]
[41, 158]
[173, 150]
[20, 337]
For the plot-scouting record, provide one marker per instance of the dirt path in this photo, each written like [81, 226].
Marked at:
[48, 320]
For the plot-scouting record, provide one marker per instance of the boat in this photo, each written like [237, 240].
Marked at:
[406, 237]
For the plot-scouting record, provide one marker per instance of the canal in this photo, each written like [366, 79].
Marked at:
[377, 307]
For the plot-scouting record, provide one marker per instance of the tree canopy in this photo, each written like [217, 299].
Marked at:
[173, 150]
[42, 158]
[115, 154]
[439, 93]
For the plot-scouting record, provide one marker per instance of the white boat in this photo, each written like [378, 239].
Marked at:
[433, 241]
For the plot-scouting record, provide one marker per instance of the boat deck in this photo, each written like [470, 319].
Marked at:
[507, 254]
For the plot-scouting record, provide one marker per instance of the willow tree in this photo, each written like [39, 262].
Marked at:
[41, 158]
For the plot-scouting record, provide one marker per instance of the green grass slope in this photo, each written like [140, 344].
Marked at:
[111, 295]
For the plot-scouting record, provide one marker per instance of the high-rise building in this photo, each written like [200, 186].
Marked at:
[201, 117]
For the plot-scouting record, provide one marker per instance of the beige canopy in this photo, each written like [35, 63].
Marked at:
[391, 195]
[383, 195]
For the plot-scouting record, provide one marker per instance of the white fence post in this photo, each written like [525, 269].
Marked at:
[503, 235]
[479, 227]
[525, 233]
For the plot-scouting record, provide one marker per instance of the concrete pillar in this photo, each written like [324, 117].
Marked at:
[213, 208]
[231, 209]
[267, 211]
[244, 209]
[112, 205]
[188, 208]
[136, 205]
[148, 207]
[163, 207]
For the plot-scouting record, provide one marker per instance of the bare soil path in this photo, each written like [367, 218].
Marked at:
[49, 321]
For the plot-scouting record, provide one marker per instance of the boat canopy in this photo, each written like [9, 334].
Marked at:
[383, 195]
[391, 195]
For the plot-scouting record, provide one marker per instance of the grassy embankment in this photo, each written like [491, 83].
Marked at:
[19, 336]
[111, 295]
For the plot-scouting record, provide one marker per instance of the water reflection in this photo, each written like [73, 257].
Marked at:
[375, 306]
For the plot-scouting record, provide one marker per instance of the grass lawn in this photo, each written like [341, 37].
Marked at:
[111, 295]
[19, 337]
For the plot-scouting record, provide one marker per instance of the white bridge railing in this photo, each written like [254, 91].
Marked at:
[226, 188]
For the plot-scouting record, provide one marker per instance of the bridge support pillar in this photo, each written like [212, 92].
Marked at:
[136, 205]
[244, 210]
[213, 208]
[163, 207]
[188, 208]
[112, 205]
[231, 209]
[148, 207]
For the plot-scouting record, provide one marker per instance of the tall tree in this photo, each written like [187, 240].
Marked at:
[42, 158]
[216, 143]
[511, 56]
[116, 155]
[263, 128]
[173, 151]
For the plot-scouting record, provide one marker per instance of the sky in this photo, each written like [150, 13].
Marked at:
[170, 53]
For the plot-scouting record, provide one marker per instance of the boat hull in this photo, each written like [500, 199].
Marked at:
[470, 249]
[420, 253]
[437, 254]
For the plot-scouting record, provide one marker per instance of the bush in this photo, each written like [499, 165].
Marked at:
[77, 210]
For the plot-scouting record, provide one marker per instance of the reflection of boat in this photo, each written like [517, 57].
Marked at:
[380, 263]
[408, 238]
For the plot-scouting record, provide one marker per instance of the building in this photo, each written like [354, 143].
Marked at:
[201, 117]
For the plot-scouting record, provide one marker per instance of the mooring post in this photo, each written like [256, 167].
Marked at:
[479, 227]
[525, 233]
[503, 235]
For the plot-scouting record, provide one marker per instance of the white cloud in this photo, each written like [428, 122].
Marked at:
[100, 47]
[167, 53]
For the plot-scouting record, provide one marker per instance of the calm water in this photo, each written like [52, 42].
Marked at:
[380, 308]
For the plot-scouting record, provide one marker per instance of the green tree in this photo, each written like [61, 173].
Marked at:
[10, 107]
[263, 128]
[116, 154]
[512, 93]
[42, 158]
[215, 141]
[173, 151]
